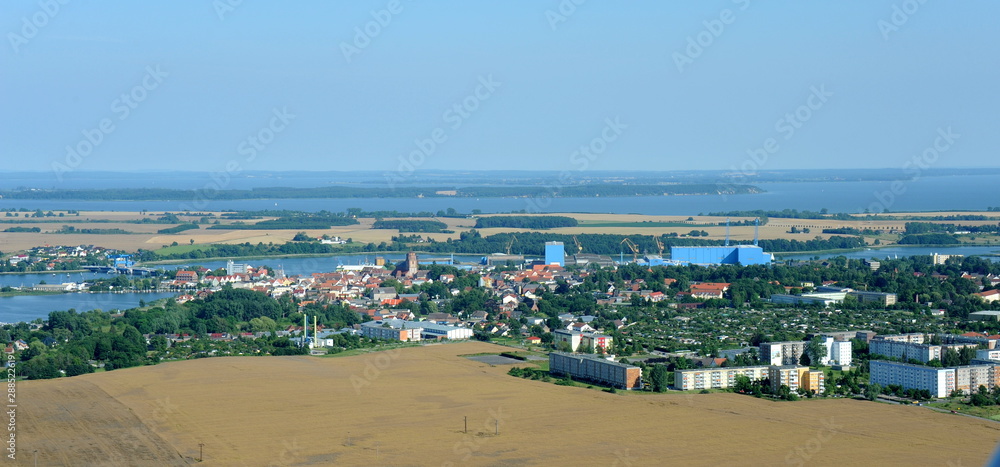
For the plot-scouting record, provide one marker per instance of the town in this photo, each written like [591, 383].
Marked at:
[726, 319]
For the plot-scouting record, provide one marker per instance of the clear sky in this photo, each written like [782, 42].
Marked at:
[658, 85]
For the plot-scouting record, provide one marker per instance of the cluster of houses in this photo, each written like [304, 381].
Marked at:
[51, 256]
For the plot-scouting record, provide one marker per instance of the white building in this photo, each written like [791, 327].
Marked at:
[443, 331]
[838, 352]
[575, 339]
[987, 354]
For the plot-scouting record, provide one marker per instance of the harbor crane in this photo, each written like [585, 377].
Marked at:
[632, 246]
[511, 243]
[579, 248]
[659, 245]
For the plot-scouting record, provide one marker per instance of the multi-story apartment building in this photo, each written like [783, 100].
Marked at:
[839, 352]
[987, 354]
[592, 340]
[812, 380]
[790, 352]
[913, 338]
[907, 351]
[939, 381]
[968, 378]
[787, 375]
[716, 378]
[782, 353]
[596, 368]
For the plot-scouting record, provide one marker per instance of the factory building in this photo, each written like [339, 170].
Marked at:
[708, 255]
[555, 253]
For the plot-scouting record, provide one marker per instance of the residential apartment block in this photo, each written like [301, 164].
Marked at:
[790, 352]
[987, 354]
[594, 341]
[939, 381]
[715, 378]
[913, 338]
[596, 368]
[785, 375]
[906, 351]
[782, 353]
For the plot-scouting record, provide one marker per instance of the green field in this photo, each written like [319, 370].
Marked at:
[991, 412]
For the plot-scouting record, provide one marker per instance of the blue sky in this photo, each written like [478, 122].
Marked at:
[216, 83]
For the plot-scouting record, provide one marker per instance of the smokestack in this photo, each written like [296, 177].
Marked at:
[727, 231]
[305, 329]
[315, 330]
[756, 225]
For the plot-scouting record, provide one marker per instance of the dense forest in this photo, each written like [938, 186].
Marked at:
[294, 221]
[411, 225]
[526, 222]
[178, 229]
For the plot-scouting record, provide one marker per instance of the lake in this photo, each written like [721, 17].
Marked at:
[30, 307]
[960, 192]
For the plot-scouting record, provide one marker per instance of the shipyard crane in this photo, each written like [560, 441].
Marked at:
[632, 246]
[579, 248]
[659, 245]
[511, 243]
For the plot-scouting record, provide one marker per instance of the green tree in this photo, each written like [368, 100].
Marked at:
[873, 391]
[658, 378]
[816, 348]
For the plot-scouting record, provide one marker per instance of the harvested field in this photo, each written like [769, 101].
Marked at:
[407, 407]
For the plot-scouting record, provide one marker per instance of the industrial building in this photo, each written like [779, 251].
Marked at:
[555, 253]
[709, 255]
[409, 331]
[987, 315]
[596, 368]
[384, 330]
[584, 260]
